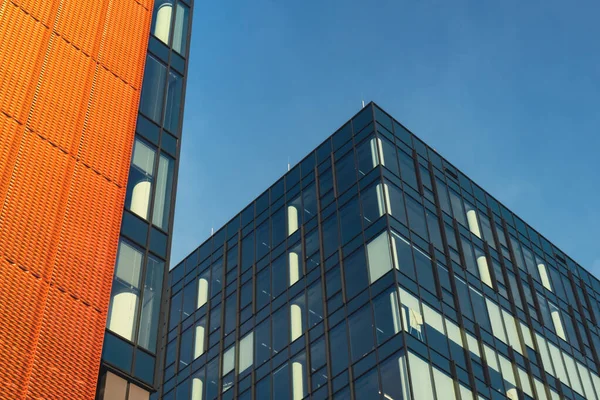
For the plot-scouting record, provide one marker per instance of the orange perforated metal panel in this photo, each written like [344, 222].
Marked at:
[70, 77]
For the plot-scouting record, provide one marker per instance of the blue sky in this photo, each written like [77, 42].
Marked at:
[507, 91]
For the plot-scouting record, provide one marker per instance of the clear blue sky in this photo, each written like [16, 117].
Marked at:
[508, 91]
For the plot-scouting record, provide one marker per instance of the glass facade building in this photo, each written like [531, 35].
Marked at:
[131, 353]
[374, 269]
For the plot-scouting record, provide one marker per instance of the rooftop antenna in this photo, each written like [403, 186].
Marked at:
[363, 100]
[212, 231]
[288, 163]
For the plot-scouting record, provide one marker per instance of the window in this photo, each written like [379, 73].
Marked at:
[122, 312]
[141, 176]
[151, 100]
[162, 199]
[420, 377]
[394, 378]
[407, 169]
[180, 31]
[355, 273]
[367, 386]
[246, 352]
[151, 304]
[387, 315]
[416, 217]
[361, 332]
[557, 322]
[338, 345]
[379, 256]
[173, 107]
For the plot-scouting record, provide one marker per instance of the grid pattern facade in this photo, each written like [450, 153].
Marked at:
[70, 79]
[131, 352]
[374, 269]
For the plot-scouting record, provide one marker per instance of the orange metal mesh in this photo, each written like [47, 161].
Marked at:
[70, 77]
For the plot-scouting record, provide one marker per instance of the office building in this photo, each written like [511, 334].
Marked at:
[375, 269]
[71, 76]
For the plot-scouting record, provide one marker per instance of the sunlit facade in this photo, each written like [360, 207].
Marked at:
[374, 269]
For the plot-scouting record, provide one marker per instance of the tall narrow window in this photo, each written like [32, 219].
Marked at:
[172, 109]
[161, 20]
[151, 303]
[162, 199]
[556, 320]
[246, 352]
[125, 294]
[379, 256]
[139, 185]
[180, 31]
[151, 100]
[420, 377]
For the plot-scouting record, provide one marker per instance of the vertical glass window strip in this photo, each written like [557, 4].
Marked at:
[387, 315]
[180, 30]
[411, 314]
[297, 317]
[588, 387]
[394, 378]
[360, 325]
[153, 283]
[540, 389]
[151, 100]
[525, 384]
[141, 176]
[556, 321]
[367, 155]
[416, 217]
[572, 372]
[407, 169]
[374, 200]
[509, 377]
[162, 199]
[173, 106]
[388, 155]
[338, 345]
[557, 361]
[246, 353]
[420, 377]
[444, 386]
[395, 201]
[511, 330]
[379, 256]
[543, 273]
[367, 386]
[199, 338]
[124, 299]
[472, 220]
[161, 20]
[202, 297]
[483, 268]
[496, 320]
[457, 208]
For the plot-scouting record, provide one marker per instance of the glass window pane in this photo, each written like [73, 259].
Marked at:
[387, 315]
[338, 344]
[262, 350]
[246, 353]
[379, 256]
[416, 217]
[151, 304]
[162, 199]
[407, 169]
[361, 332]
[139, 184]
[367, 386]
[228, 360]
[151, 100]
[443, 385]
[355, 273]
[173, 107]
[125, 294]
[420, 377]
[161, 20]
[180, 31]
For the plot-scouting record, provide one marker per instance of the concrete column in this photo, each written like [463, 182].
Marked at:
[140, 198]
[297, 381]
[484, 271]
[292, 213]
[202, 292]
[294, 266]
[295, 321]
[472, 221]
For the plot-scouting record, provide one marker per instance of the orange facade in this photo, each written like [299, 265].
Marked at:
[70, 79]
